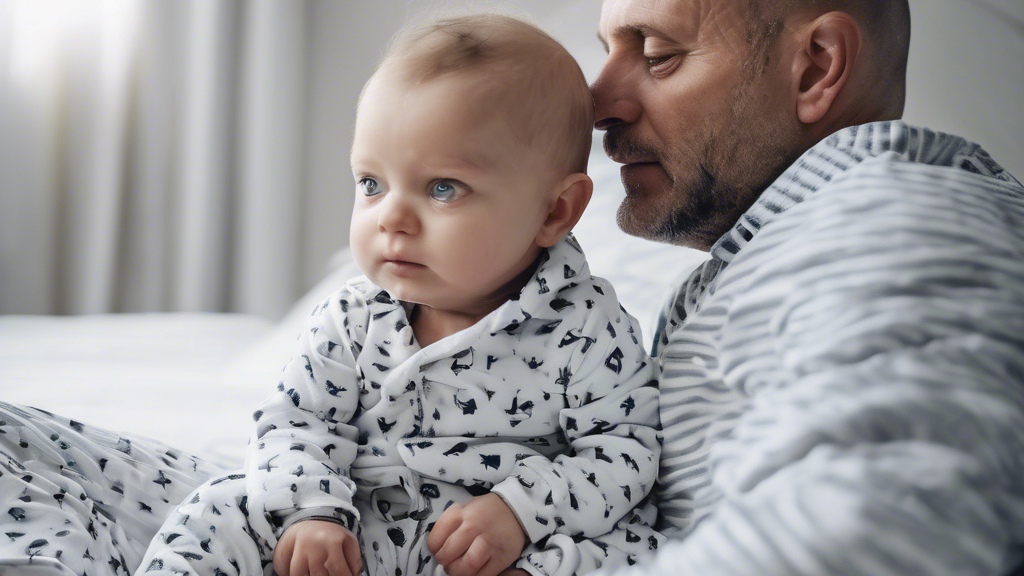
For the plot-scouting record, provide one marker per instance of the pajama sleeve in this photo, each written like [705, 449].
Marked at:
[631, 540]
[611, 424]
[297, 464]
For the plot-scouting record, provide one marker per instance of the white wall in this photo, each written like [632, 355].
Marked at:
[966, 73]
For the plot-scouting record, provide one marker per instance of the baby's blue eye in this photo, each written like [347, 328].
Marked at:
[443, 191]
[369, 186]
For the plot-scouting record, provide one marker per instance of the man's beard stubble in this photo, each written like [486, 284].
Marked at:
[711, 190]
[701, 206]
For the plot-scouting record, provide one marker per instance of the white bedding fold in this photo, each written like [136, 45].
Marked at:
[158, 375]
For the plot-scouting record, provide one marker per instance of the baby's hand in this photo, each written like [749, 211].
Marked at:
[317, 547]
[482, 538]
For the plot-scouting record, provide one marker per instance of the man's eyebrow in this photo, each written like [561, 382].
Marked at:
[637, 31]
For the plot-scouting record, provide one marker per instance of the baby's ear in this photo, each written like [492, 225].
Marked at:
[570, 199]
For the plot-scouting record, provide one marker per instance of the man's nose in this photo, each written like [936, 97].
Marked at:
[614, 94]
[397, 215]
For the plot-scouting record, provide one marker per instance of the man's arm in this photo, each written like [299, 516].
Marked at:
[880, 339]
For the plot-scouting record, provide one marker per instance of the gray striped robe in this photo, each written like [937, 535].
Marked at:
[843, 382]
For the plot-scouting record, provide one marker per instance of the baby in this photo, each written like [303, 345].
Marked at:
[478, 403]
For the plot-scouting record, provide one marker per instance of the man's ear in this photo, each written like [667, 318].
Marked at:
[824, 63]
[571, 197]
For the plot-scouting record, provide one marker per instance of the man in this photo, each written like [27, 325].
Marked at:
[843, 381]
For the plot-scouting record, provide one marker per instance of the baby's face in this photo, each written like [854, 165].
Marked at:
[449, 200]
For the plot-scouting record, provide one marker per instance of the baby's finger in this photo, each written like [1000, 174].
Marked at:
[448, 523]
[455, 546]
[299, 565]
[494, 566]
[317, 559]
[352, 556]
[283, 556]
[322, 570]
[470, 563]
[337, 566]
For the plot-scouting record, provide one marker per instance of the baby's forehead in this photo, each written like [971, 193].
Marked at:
[513, 93]
[508, 68]
[463, 103]
[502, 92]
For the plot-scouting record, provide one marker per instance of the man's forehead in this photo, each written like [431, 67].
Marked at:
[651, 17]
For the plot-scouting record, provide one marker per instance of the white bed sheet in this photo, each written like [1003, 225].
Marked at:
[171, 377]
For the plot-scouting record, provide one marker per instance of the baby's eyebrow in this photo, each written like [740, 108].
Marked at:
[467, 165]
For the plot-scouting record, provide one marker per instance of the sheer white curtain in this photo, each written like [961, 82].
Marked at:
[151, 155]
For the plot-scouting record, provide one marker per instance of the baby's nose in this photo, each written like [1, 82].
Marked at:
[397, 215]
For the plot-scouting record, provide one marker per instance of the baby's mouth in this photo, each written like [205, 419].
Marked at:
[402, 266]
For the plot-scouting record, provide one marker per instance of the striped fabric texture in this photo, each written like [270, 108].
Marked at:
[843, 381]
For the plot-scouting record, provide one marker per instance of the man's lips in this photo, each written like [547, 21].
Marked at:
[639, 176]
[632, 158]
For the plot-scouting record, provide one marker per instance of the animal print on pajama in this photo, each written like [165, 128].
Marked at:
[188, 542]
[549, 401]
[75, 499]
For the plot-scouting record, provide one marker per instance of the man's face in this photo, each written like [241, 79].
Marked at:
[699, 124]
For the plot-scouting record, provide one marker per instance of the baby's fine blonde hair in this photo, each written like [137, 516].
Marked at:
[530, 73]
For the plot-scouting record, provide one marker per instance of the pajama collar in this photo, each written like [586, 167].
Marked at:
[537, 307]
[840, 152]
[539, 301]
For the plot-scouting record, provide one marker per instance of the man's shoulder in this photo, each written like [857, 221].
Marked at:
[887, 226]
[913, 165]
[890, 196]
[893, 163]
[970, 169]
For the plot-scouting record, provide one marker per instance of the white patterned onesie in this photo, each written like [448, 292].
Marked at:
[549, 401]
[76, 500]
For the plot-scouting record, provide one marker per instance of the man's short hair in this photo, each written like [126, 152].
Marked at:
[531, 74]
[885, 22]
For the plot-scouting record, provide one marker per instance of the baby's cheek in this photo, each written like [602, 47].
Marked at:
[361, 256]
[473, 257]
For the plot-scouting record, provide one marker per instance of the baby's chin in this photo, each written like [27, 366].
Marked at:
[404, 293]
[437, 297]
[398, 292]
